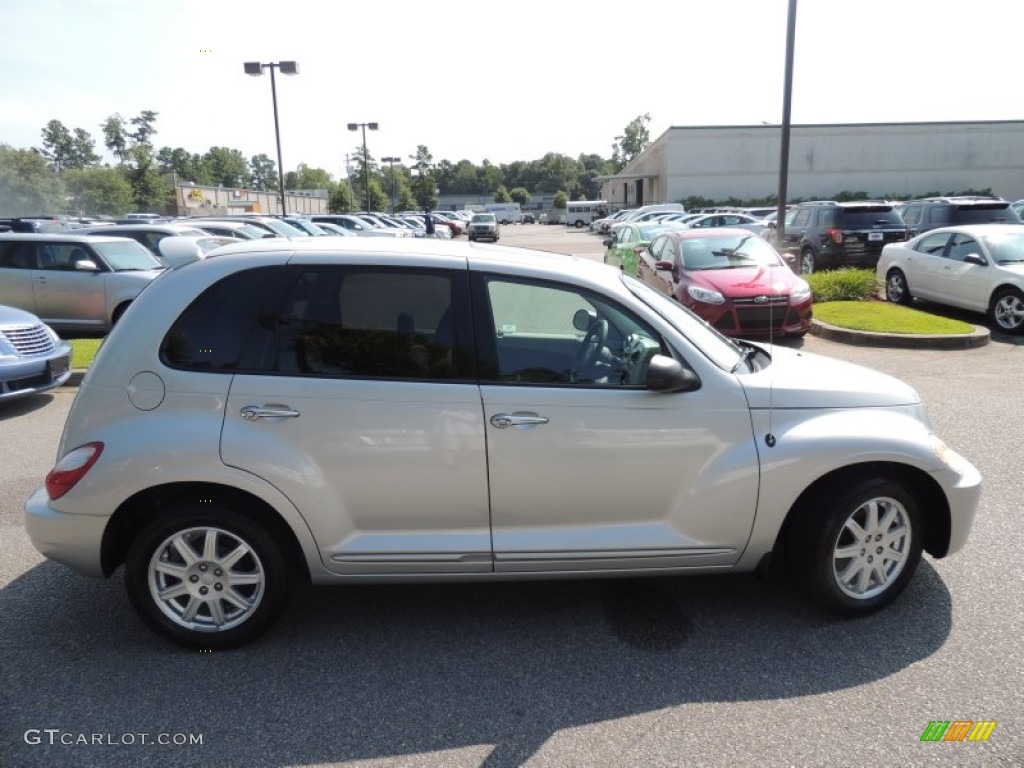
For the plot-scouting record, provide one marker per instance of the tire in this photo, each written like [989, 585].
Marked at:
[854, 552]
[169, 555]
[896, 289]
[579, 224]
[120, 310]
[1007, 310]
[808, 264]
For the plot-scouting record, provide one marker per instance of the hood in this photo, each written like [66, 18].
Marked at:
[747, 282]
[804, 380]
[12, 316]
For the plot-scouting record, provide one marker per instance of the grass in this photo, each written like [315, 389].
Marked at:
[83, 351]
[882, 317]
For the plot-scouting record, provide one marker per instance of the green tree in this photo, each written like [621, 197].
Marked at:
[58, 144]
[28, 186]
[561, 200]
[501, 195]
[464, 180]
[115, 137]
[424, 186]
[635, 139]
[226, 167]
[99, 190]
[490, 177]
[185, 165]
[264, 173]
[150, 189]
[406, 201]
[339, 201]
[305, 177]
[378, 199]
[83, 150]
[520, 195]
[143, 128]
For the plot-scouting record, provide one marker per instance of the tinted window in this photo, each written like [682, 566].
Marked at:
[868, 218]
[984, 214]
[17, 256]
[933, 244]
[231, 326]
[375, 322]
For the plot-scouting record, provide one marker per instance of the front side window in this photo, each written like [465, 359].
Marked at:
[962, 246]
[540, 333]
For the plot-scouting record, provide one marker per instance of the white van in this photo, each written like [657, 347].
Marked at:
[506, 213]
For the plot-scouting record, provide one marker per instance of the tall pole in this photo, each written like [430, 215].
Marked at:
[366, 172]
[787, 98]
[277, 136]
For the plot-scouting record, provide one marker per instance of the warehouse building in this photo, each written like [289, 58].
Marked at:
[893, 160]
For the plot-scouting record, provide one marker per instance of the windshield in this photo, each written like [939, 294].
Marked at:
[1006, 248]
[728, 252]
[720, 350]
[126, 256]
[484, 218]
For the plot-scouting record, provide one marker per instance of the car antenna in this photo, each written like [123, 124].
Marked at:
[769, 438]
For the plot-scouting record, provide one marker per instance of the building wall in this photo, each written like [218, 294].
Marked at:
[206, 201]
[881, 159]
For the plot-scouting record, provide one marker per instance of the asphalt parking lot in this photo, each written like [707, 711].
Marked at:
[701, 671]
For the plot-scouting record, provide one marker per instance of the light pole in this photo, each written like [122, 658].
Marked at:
[366, 159]
[255, 69]
[391, 163]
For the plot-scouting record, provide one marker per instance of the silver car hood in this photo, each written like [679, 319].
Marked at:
[804, 380]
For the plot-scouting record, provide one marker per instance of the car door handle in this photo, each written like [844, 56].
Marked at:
[253, 412]
[517, 419]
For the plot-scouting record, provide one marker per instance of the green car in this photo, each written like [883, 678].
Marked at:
[628, 240]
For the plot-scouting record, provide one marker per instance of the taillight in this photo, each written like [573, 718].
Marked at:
[836, 235]
[71, 468]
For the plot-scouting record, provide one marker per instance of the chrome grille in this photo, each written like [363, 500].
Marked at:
[29, 340]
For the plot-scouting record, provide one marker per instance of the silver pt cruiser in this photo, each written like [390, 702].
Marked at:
[409, 410]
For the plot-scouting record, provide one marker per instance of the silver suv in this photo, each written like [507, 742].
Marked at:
[405, 410]
[483, 226]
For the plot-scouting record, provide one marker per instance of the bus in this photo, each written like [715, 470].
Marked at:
[579, 213]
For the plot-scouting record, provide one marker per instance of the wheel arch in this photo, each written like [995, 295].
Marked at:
[997, 289]
[138, 511]
[934, 507]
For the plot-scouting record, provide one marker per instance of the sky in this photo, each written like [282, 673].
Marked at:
[500, 81]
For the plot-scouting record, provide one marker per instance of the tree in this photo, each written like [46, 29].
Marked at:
[144, 128]
[490, 177]
[423, 185]
[635, 139]
[28, 186]
[560, 200]
[406, 201]
[58, 144]
[339, 201]
[115, 137]
[149, 187]
[264, 173]
[501, 195]
[83, 150]
[99, 190]
[185, 165]
[225, 167]
[519, 195]
[305, 177]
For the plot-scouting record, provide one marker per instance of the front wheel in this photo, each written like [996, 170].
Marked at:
[1007, 310]
[207, 577]
[896, 289]
[855, 552]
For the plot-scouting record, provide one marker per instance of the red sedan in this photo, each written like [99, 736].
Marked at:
[731, 278]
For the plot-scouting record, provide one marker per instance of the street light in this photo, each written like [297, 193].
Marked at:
[366, 159]
[391, 163]
[255, 69]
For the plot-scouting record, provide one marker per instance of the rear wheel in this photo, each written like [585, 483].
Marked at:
[808, 264]
[118, 312]
[896, 289]
[207, 577]
[579, 224]
[855, 552]
[1007, 310]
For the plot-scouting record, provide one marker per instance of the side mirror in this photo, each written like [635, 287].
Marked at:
[86, 265]
[666, 374]
[663, 265]
[583, 319]
[975, 258]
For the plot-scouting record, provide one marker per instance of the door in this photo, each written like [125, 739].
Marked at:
[65, 296]
[587, 468]
[370, 421]
[961, 283]
[923, 265]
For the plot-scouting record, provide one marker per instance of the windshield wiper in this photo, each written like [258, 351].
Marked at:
[744, 356]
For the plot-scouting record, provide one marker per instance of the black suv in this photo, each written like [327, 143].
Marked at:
[934, 212]
[826, 234]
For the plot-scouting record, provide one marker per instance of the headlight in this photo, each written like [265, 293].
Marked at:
[947, 455]
[706, 296]
[802, 292]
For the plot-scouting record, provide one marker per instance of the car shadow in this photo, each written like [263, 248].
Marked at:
[20, 406]
[974, 318]
[358, 673]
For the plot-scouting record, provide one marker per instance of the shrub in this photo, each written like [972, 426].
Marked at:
[844, 285]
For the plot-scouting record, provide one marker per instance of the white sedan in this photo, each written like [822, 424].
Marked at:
[978, 267]
[740, 220]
